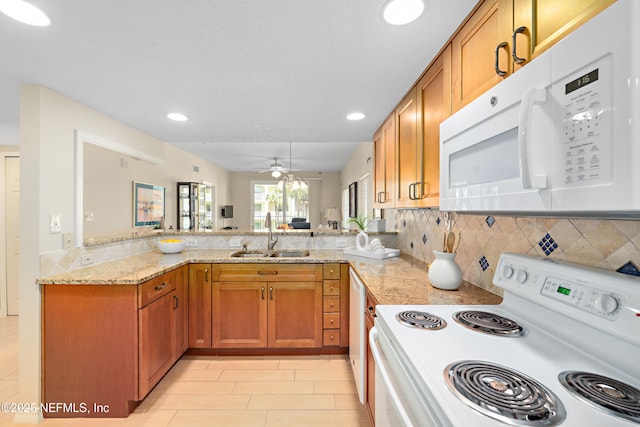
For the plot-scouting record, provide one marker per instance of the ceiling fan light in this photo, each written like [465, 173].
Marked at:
[276, 174]
[24, 12]
[401, 12]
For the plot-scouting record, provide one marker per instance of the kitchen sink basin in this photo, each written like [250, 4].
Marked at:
[284, 253]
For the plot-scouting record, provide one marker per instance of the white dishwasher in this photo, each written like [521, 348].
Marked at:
[357, 331]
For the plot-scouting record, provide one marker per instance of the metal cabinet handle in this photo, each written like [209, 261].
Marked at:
[412, 190]
[271, 293]
[206, 274]
[497, 67]
[175, 300]
[515, 57]
[263, 292]
[164, 285]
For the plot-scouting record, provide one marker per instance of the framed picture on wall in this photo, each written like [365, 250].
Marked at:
[353, 200]
[148, 204]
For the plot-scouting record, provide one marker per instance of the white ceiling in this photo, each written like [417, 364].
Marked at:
[252, 75]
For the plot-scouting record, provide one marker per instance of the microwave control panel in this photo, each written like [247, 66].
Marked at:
[586, 102]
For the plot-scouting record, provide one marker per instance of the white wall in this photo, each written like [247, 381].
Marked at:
[108, 186]
[48, 122]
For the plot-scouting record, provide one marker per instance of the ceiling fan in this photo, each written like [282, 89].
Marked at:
[276, 169]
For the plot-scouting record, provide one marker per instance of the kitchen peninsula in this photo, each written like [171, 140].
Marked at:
[112, 330]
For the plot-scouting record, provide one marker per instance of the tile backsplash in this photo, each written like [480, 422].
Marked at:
[606, 244]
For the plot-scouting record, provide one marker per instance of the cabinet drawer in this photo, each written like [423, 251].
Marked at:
[331, 337]
[331, 271]
[331, 287]
[153, 289]
[270, 272]
[330, 320]
[330, 304]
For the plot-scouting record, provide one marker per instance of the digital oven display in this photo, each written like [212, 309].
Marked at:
[581, 81]
[564, 291]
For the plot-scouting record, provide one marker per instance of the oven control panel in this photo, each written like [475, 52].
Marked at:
[581, 296]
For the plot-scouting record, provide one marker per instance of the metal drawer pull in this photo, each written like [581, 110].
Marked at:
[515, 57]
[164, 285]
[263, 292]
[267, 273]
[497, 67]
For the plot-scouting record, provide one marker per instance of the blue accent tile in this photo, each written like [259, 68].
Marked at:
[424, 239]
[411, 245]
[404, 223]
[547, 244]
[484, 264]
[629, 268]
[490, 221]
[438, 221]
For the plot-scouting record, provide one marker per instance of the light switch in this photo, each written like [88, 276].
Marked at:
[55, 224]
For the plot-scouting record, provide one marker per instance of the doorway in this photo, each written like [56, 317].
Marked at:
[10, 305]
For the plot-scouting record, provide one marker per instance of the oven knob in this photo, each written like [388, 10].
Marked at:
[522, 276]
[606, 303]
[507, 271]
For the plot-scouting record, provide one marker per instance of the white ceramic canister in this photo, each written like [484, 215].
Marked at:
[444, 272]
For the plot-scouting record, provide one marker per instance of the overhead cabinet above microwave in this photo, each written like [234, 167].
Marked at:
[561, 135]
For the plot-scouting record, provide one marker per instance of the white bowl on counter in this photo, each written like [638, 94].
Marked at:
[171, 246]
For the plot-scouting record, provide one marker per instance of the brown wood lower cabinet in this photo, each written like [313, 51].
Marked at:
[106, 346]
[370, 376]
[267, 306]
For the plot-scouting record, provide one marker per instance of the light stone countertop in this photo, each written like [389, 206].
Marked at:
[400, 280]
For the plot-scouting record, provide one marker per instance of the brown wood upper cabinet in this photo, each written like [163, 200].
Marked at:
[501, 36]
[538, 24]
[384, 153]
[419, 117]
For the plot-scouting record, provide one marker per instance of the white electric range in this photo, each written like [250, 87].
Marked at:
[560, 326]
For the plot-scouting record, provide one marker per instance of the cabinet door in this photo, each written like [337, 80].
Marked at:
[473, 53]
[181, 312]
[156, 342]
[384, 143]
[407, 146]
[200, 276]
[370, 388]
[548, 21]
[239, 315]
[434, 102]
[295, 314]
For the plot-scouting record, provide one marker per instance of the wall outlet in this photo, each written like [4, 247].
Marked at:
[67, 240]
[192, 243]
[341, 242]
[86, 259]
[235, 242]
[88, 217]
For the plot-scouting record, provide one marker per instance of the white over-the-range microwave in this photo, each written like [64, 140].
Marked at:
[560, 136]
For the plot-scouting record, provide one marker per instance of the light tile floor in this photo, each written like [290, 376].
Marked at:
[222, 391]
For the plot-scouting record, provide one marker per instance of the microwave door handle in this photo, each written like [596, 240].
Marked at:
[530, 97]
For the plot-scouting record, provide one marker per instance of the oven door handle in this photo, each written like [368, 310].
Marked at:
[393, 394]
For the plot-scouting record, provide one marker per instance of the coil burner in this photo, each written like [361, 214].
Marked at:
[604, 393]
[420, 319]
[503, 394]
[488, 323]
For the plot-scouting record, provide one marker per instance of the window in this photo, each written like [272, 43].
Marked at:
[283, 199]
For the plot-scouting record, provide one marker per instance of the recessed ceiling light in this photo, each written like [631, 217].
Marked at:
[355, 116]
[401, 12]
[24, 12]
[178, 117]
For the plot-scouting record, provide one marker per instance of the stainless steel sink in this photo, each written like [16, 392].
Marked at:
[250, 254]
[282, 253]
[290, 254]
